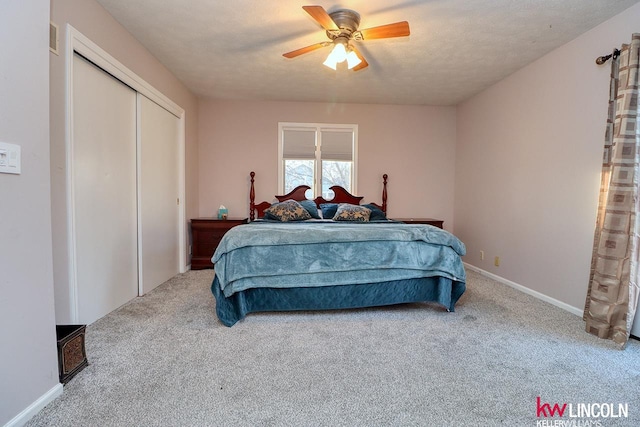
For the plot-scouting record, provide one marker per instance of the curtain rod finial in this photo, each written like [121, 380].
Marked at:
[602, 59]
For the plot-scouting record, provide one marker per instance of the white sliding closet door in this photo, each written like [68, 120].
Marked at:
[159, 194]
[104, 191]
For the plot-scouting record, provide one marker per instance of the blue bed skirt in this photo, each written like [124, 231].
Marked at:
[432, 289]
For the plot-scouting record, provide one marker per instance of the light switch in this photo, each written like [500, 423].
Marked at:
[9, 158]
[13, 159]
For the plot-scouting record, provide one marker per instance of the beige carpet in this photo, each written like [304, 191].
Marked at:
[165, 360]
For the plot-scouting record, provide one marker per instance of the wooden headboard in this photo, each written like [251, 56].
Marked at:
[340, 196]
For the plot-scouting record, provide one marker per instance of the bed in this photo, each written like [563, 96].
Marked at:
[278, 264]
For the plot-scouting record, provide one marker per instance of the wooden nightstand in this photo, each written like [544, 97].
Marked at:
[435, 222]
[206, 234]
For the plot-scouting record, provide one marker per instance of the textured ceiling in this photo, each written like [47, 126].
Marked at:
[233, 49]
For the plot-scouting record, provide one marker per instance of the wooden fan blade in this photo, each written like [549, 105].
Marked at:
[304, 50]
[363, 64]
[321, 16]
[398, 29]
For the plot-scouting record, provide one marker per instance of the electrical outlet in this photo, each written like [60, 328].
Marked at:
[497, 261]
[481, 255]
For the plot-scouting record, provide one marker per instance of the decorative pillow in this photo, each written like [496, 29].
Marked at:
[376, 213]
[289, 210]
[311, 207]
[347, 212]
[328, 210]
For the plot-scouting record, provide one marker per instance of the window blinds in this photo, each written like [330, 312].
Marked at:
[335, 144]
[299, 144]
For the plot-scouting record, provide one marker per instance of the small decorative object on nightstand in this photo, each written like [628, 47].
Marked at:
[435, 222]
[206, 234]
[223, 212]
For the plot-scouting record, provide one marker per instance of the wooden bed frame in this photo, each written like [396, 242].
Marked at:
[359, 292]
[341, 195]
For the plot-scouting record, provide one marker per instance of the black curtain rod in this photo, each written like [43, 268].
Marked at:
[602, 59]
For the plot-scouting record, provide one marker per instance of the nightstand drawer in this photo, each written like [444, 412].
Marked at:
[206, 234]
[204, 237]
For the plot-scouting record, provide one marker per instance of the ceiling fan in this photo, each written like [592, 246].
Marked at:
[342, 28]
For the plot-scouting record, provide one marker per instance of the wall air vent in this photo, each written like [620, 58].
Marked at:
[53, 38]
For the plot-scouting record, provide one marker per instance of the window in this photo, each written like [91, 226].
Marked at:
[317, 155]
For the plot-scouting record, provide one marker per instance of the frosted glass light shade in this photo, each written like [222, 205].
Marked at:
[352, 60]
[330, 62]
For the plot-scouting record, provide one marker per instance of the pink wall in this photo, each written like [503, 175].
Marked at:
[93, 21]
[415, 145]
[529, 152]
[28, 355]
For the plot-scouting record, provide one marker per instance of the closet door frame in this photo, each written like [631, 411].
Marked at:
[76, 42]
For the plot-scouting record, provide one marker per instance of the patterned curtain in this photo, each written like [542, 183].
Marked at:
[612, 297]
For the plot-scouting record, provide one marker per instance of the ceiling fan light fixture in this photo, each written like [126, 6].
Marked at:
[342, 26]
[337, 55]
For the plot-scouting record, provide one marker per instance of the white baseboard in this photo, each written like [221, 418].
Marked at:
[23, 417]
[571, 309]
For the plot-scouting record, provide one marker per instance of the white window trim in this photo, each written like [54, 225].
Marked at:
[318, 128]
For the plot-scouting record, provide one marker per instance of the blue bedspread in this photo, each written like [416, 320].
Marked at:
[294, 255]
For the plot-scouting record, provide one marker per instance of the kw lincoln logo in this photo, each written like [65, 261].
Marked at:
[578, 414]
